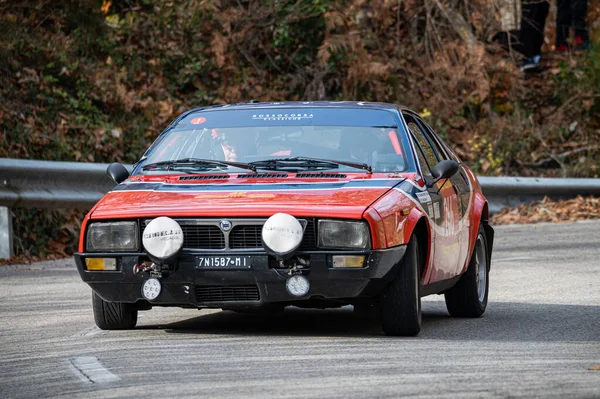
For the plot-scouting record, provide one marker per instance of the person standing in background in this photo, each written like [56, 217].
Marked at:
[571, 13]
[510, 22]
[531, 35]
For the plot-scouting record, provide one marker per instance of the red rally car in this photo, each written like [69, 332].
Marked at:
[313, 204]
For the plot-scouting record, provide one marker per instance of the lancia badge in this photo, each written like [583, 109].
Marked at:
[225, 225]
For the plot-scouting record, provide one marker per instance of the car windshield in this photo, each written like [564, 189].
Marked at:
[299, 147]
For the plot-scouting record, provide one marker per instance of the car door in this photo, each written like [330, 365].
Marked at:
[464, 192]
[440, 203]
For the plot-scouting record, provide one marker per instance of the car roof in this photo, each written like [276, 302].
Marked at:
[290, 104]
[302, 104]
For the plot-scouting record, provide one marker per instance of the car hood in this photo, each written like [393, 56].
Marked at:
[346, 198]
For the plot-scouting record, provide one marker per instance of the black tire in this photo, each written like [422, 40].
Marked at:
[401, 301]
[465, 299]
[113, 315]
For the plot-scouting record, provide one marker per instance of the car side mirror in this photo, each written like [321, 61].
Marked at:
[117, 172]
[443, 170]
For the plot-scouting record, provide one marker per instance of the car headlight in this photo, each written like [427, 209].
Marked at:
[344, 234]
[113, 236]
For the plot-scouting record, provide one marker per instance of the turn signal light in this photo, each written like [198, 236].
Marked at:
[348, 260]
[99, 264]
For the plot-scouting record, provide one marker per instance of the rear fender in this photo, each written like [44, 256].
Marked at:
[489, 234]
[480, 216]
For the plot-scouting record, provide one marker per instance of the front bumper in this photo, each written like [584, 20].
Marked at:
[188, 286]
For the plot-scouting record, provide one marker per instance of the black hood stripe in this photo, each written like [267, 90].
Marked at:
[161, 187]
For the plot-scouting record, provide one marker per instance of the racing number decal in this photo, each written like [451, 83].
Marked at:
[198, 121]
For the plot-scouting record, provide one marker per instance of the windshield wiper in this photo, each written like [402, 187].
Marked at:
[297, 163]
[196, 162]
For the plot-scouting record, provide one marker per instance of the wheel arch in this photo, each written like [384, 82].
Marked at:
[421, 232]
[483, 218]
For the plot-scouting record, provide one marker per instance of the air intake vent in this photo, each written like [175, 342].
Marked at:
[227, 294]
[263, 176]
[205, 177]
[320, 175]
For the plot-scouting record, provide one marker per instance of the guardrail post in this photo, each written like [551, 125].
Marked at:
[6, 233]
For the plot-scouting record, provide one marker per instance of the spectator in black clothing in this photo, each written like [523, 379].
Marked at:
[531, 35]
[571, 13]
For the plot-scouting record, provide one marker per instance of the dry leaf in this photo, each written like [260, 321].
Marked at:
[219, 46]
[547, 210]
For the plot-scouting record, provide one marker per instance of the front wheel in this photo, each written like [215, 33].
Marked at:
[401, 301]
[113, 315]
[469, 297]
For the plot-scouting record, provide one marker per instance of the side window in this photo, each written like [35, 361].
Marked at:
[430, 136]
[427, 150]
[425, 168]
[460, 179]
[451, 154]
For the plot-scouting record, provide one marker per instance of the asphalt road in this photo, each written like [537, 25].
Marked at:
[539, 336]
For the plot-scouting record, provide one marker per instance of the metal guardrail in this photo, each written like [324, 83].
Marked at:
[514, 191]
[47, 184]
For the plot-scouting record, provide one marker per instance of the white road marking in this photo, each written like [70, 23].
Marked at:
[513, 259]
[89, 369]
[94, 331]
[89, 332]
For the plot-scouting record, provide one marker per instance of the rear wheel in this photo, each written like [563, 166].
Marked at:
[468, 298]
[401, 301]
[113, 315]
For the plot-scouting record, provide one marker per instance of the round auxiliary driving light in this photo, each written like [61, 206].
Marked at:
[297, 285]
[282, 235]
[162, 238]
[151, 289]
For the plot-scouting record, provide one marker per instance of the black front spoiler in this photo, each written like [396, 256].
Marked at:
[181, 287]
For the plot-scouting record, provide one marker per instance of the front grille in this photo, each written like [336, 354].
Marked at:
[227, 294]
[202, 237]
[250, 236]
[205, 234]
[197, 236]
[309, 241]
[245, 236]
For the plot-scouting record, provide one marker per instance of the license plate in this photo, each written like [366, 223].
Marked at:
[223, 262]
